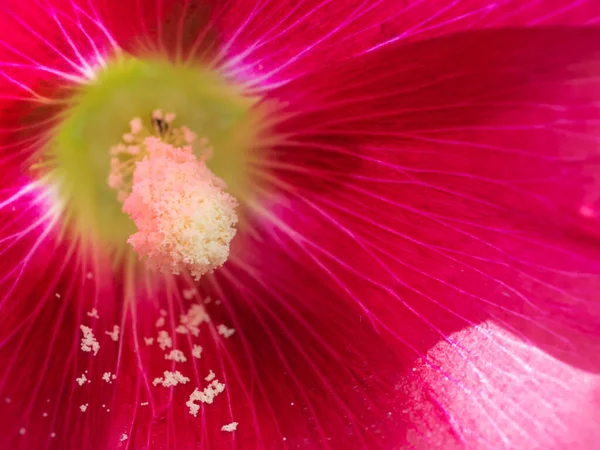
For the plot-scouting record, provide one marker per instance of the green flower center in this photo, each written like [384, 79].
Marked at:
[78, 155]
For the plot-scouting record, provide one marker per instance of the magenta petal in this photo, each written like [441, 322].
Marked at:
[449, 183]
[181, 29]
[431, 188]
[269, 42]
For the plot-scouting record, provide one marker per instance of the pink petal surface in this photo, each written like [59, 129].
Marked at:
[270, 42]
[455, 187]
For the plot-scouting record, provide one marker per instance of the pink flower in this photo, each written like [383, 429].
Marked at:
[417, 261]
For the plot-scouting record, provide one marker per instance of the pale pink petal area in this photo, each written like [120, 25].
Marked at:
[500, 392]
[269, 42]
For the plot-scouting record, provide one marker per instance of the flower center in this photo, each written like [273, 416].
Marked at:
[98, 115]
[184, 217]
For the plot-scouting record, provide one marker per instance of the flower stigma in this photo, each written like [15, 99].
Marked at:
[184, 217]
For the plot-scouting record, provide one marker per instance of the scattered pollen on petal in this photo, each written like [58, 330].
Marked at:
[84, 407]
[93, 314]
[211, 376]
[197, 351]
[224, 331]
[170, 379]
[108, 377]
[148, 340]
[88, 341]
[82, 379]
[164, 340]
[114, 334]
[189, 294]
[230, 427]
[123, 437]
[176, 355]
[190, 322]
[207, 395]
[22, 431]
[160, 322]
[181, 329]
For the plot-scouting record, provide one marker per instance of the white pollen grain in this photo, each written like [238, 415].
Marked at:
[88, 341]
[224, 331]
[160, 322]
[123, 437]
[176, 355]
[170, 379]
[164, 340]
[231, 427]
[22, 431]
[189, 294]
[195, 316]
[57, 295]
[148, 340]
[181, 329]
[197, 351]
[108, 377]
[45, 414]
[81, 380]
[211, 376]
[144, 404]
[83, 407]
[93, 313]
[114, 334]
[207, 395]
[52, 435]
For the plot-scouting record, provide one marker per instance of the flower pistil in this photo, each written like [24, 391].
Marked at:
[184, 217]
